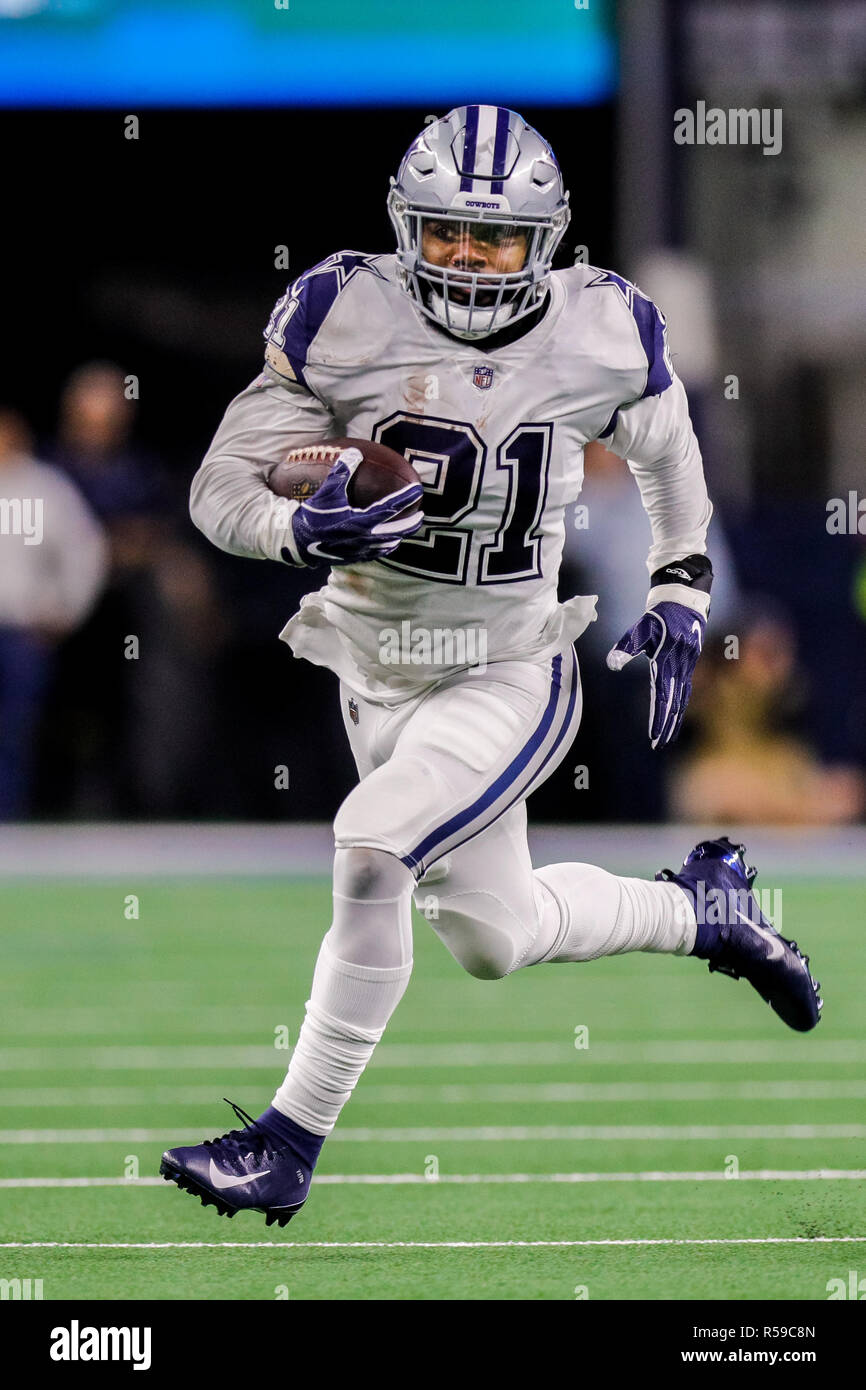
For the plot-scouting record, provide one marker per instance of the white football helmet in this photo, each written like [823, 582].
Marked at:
[484, 189]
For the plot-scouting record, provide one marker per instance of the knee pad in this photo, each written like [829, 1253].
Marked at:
[369, 874]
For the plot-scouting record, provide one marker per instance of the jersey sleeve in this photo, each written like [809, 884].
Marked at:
[299, 316]
[655, 436]
[230, 501]
[652, 431]
[653, 333]
[638, 330]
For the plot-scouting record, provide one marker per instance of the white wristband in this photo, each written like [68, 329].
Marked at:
[696, 599]
[282, 534]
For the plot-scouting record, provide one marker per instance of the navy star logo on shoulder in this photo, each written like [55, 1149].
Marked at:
[651, 326]
[344, 265]
[299, 315]
[625, 288]
[617, 282]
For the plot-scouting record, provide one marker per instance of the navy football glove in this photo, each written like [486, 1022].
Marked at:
[671, 634]
[328, 530]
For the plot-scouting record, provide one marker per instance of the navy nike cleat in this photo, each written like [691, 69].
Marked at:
[248, 1169]
[738, 940]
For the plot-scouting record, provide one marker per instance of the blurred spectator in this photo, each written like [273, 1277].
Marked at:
[53, 562]
[747, 764]
[173, 697]
[196, 720]
[124, 486]
[135, 713]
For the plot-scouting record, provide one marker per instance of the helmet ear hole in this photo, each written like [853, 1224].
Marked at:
[543, 174]
[423, 165]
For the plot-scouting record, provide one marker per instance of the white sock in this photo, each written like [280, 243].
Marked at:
[588, 913]
[361, 974]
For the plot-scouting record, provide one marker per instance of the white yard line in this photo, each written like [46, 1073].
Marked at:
[473, 1179]
[168, 1010]
[420, 1244]
[188, 1056]
[518, 1093]
[609, 1093]
[431, 1134]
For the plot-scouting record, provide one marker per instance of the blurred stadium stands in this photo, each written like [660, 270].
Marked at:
[140, 273]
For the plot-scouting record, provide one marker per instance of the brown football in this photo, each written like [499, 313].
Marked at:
[382, 472]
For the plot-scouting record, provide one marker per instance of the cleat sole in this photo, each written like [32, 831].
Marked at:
[187, 1184]
[171, 1173]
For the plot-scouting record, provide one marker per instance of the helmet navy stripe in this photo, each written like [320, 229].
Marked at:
[500, 148]
[469, 139]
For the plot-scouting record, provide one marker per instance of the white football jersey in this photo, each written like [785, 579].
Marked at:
[496, 431]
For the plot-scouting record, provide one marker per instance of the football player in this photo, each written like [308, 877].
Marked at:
[489, 372]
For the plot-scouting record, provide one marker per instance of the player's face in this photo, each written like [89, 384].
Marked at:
[474, 247]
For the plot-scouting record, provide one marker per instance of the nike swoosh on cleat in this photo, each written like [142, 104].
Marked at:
[222, 1180]
[777, 945]
[696, 627]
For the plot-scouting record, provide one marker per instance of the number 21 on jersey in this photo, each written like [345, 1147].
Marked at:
[457, 457]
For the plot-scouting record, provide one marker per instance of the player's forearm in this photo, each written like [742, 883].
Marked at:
[674, 495]
[232, 505]
[230, 501]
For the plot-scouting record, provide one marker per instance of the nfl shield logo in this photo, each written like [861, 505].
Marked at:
[353, 712]
[482, 377]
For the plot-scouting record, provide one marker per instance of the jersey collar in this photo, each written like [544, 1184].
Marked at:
[509, 333]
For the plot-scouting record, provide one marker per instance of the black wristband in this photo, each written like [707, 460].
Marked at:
[695, 571]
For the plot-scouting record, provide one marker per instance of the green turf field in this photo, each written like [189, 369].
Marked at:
[121, 1036]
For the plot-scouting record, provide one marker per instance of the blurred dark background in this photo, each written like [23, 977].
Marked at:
[157, 256]
[137, 278]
